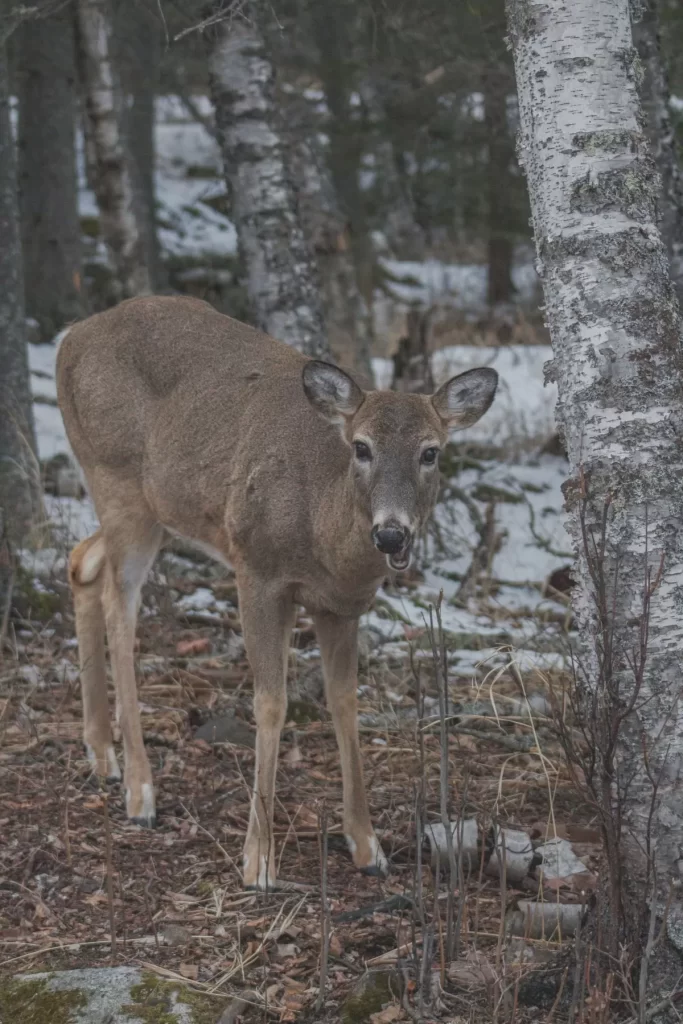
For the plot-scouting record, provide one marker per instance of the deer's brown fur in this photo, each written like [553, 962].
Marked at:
[187, 422]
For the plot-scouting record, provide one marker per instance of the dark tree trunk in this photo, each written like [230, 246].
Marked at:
[654, 101]
[281, 273]
[19, 472]
[139, 47]
[346, 314]
[331, 39]
[412, 367]
[48, 187]
[497, 85]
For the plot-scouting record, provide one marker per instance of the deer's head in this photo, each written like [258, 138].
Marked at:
[394, 442]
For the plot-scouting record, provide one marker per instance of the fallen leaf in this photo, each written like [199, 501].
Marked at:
[189, 971]
[185, 648]
[385, 1016]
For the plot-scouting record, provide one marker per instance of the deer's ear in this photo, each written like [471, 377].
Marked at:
[462, 400]
[331, 391]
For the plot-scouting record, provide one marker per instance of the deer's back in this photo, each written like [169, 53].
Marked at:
[206, 413]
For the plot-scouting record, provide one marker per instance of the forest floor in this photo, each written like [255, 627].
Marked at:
[80, 886]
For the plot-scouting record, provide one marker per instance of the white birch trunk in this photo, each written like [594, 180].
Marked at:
[113, 181]
[281, 275]
[615, 330]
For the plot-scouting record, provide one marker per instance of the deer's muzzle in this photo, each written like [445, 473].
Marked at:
[394, 541]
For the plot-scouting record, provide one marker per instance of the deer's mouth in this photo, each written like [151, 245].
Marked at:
[401, 560]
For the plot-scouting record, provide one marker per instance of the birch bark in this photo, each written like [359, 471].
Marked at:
[113, 182]
[281, 275]
[616, 335]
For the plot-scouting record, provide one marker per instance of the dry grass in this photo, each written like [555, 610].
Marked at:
[171, 899]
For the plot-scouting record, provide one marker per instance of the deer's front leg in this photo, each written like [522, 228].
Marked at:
[338, 640]
[267, 621]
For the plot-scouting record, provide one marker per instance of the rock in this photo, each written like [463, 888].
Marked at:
[225, 729]
[559, 860]
[175, 935]
[369, 640]
[368, 996]
[102, 995]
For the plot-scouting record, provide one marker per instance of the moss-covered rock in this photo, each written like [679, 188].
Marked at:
[368, 996]
[155, 1001]
[29, 1001]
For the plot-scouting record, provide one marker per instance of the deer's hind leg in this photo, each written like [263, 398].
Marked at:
[86, 575]
[132, 539]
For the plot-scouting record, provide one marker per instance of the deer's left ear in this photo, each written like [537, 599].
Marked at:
[464, 399]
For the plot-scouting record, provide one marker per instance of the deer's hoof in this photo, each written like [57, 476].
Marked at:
[371, 860]
[140, 805]
[257, 875]
[104, 762]
[150, 822]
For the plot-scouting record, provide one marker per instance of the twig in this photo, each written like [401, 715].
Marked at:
[325, 929]
[110, 873]
[398, 902]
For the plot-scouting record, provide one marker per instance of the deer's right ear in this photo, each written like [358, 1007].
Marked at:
[331, 391]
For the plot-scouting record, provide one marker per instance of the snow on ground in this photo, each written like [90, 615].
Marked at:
[461, 286]
[524, 409]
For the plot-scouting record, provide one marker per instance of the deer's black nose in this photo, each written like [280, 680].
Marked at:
[389, 539]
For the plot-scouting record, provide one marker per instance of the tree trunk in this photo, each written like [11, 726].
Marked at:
[19, 471]
[616, 334]
[48, 187]
[282, 278]
[114, 185]
[346, 315]
[654, 98]
[329, 27]
[404, 235]
[139, 46]
[500, 157]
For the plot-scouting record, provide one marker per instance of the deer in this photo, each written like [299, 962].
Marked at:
[189, 424]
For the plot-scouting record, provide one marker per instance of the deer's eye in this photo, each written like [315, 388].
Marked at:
[429, 456]
[362, 451]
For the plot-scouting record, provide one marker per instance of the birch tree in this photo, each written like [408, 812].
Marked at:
[281, 275]
[113, 180]
[48, 187]
[19, 476]
[618, 362]
[654, 97]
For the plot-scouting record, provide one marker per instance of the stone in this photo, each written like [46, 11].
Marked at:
[103, 995]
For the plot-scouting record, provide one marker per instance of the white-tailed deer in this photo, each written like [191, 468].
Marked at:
[188, 423]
